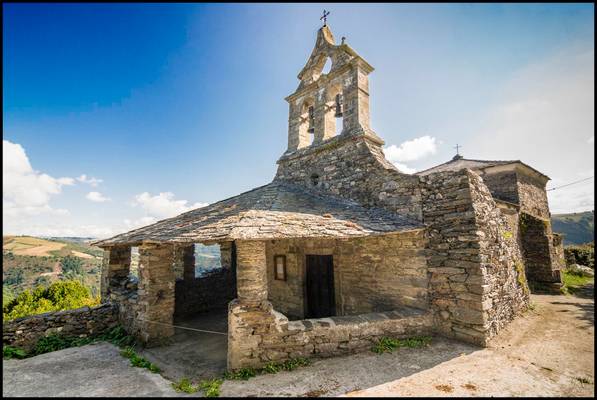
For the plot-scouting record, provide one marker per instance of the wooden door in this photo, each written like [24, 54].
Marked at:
[320, 287]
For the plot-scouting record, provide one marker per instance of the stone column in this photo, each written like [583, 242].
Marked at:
[156, 293]
[226, 254]
[251, 272]
[116, 265]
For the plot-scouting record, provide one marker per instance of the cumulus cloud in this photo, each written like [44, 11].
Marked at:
[545, 117]
[93, 182]
[411, 150]
[137, 223]
[24, 190]
[163, 205]
[61, 229]
[97, 197]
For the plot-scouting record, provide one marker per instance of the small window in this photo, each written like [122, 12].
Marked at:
[314, 179]
[280, 268]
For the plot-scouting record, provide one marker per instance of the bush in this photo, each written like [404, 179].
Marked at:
[13, 352]
[582, 255]
[61, 295]
[72, 265]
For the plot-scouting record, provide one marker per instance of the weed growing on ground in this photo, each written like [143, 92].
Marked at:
[138, 361]
[184, 385]
[240, 374]
[269, 368]
[211, 387]
[386, 344]
[13, 352]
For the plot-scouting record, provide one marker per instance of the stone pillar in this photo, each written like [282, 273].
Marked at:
[251, 272]
[116, 265]
[226, 255]
[188, 262]
[156, 293]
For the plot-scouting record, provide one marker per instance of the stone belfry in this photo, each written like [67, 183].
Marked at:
[322, 100]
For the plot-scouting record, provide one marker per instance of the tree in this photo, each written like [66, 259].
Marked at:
[72, 265]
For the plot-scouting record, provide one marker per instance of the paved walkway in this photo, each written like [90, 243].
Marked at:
[546, 352]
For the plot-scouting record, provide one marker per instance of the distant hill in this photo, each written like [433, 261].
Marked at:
[577, 228]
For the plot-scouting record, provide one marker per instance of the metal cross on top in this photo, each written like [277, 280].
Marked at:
[324, 17]
[457, 147]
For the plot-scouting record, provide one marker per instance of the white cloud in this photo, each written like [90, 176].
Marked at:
[93, 182]
[97, 197]
[404, 168]
[143, 221]
[545, 117]
[411, 150]
[163, 205]
[60, 229]
[24, 190]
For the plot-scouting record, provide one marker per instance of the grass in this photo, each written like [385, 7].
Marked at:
[269, 368]
[184, 385]
[211, 387]
[137, 360]
[117, 336]
[573, 282]
[387, 345]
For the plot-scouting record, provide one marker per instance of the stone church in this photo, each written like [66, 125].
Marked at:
[342, 248]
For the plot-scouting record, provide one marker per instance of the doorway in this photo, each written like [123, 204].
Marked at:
[320, 287]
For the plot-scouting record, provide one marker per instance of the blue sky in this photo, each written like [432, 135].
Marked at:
[187, 100]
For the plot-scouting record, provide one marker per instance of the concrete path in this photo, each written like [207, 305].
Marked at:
[92, 370]
[546, 352]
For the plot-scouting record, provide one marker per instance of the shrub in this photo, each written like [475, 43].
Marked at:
[61, 295]
[582, 255]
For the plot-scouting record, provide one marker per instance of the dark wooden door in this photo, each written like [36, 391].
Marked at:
[320, 287]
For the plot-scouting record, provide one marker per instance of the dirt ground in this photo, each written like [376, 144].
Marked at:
[548, 351]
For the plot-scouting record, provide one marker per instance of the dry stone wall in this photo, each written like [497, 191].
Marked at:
[355, 168]
[213, 291]
[25, 332]
[502, 185]
[259, 334]
[469, 259]
[533, 197]
[371, 274]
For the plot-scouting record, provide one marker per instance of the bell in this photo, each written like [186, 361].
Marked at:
[311, 128]
[338, 106]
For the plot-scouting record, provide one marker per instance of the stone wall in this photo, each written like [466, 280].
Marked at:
[474, 276]
[355, 168]
[25, 332]
[371, 274]
[213, 291]
[533, 197]
[258, 334]
[540, 258]
[502, 185]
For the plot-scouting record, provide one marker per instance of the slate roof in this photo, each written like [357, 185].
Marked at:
[458, 163]
[274, 211]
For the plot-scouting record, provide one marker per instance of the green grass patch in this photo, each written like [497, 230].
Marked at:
[138, 361]
[240, 374]
[387, 345]
[572, 282]
[184, 385]
[269, 368]
[211, 387]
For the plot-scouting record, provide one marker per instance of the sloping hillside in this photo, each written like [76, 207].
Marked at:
[577, 228]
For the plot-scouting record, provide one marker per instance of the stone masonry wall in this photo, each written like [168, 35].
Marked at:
[533, 197]
[259, 334]
[473, 268]
[502, 185]
[213, 291]
[371, 274]
[540, 259]
[355, 168]
[25, 332]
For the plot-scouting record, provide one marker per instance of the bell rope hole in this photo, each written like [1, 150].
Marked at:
[314, 179]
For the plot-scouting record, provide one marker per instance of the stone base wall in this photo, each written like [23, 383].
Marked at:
[259, 334]
[475, 285]
[25, 332]
[213, 291]
[371, 274]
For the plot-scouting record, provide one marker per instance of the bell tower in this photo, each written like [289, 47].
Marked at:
[335, 102]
